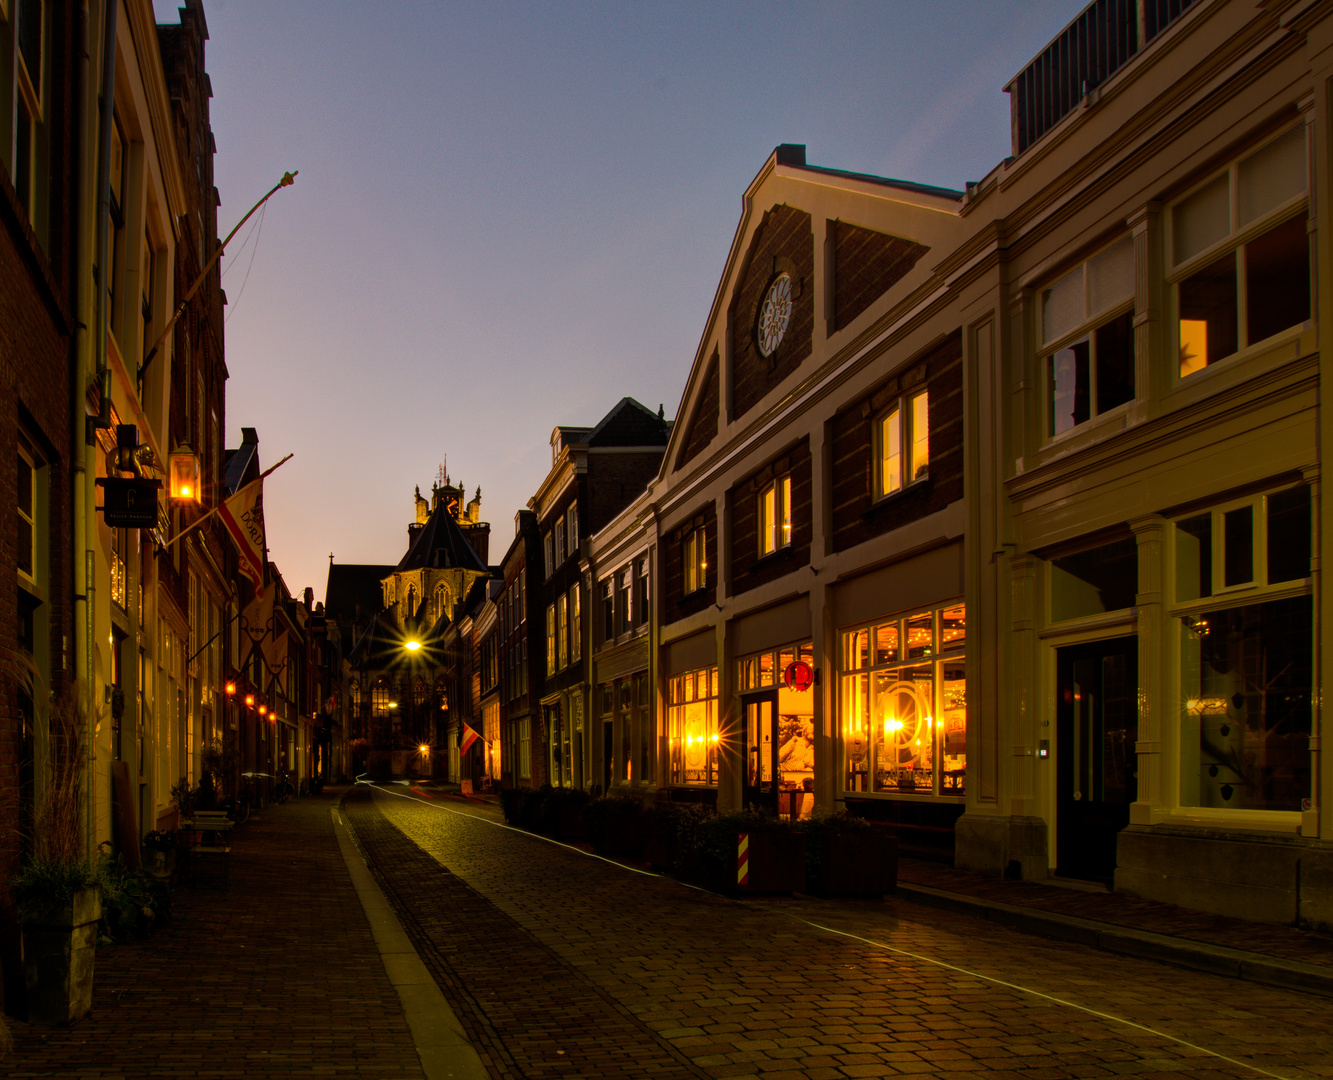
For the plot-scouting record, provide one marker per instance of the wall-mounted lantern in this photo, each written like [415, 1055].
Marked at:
[184, 465]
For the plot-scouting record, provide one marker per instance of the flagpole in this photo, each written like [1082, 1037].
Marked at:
[190, 528]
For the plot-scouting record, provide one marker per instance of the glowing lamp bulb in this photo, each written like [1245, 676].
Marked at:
[424, 749]
[249, 699]
[231, 688]
[413, 646]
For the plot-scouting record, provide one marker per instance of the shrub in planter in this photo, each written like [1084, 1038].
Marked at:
[614, 825]
[58, 905]
[132, 902]
[847, 856]
[560, 815]
[673, 836]
[774, 857]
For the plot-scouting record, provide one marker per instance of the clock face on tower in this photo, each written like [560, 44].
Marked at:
[451, 505]
[774, 315]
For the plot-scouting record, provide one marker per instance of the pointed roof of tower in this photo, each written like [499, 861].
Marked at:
[440, 543]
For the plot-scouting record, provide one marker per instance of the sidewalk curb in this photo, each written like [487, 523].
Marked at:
[1198, 955]
[444, 1049]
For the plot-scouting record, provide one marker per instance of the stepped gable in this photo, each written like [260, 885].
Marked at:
[440, 543]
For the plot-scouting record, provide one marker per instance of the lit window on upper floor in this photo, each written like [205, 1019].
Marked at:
[1240, 254]
[1087, 331]
[902, 437]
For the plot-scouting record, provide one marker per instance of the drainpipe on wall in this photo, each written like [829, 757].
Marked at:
[78, 413]
[84, 427]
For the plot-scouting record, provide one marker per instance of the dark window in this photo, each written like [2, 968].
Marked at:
[1104, 578]
[1289, 534]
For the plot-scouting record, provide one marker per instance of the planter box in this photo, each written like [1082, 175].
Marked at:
[862, 863]
[58, 953]
[776, 863]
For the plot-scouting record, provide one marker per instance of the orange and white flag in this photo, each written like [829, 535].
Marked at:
[243, 515]
[468, 738]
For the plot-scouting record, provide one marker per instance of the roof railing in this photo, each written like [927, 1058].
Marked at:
[1104, 37]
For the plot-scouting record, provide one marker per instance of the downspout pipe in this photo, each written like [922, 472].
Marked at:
[84, 427]
[78, 428]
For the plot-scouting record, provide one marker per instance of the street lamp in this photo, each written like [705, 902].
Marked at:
[183, 465]
[412, 646]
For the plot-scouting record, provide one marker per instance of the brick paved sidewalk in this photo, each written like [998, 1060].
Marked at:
[272, 973]
[1286, 943]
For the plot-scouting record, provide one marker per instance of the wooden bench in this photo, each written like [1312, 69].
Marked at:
[209, 833]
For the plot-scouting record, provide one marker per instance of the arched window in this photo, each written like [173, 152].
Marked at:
[441, 602]
[379, 698]
[411, 601]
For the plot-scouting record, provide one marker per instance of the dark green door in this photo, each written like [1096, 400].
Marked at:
[1097, 723]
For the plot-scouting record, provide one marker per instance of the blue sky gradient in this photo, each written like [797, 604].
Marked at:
[509, 216]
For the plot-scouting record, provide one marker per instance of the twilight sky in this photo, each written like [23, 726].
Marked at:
[510, 216]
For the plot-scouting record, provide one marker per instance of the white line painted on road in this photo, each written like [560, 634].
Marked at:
[1035, 993]
[864, 940]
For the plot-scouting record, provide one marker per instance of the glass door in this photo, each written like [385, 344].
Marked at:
[762, 778]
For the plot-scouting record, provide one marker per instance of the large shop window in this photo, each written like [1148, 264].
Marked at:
[1241, 254]
[1246, 652]
[692, 726]
[1088, 317]
[903, 704]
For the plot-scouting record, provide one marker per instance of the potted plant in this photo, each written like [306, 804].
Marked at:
[158, 851]
[56, 892]
[848, 856]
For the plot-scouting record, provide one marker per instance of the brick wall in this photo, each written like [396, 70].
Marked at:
[784, 243]
[748, 570]
[675, 604]
[703, 424]
[865, 264]
[34, 402]
[614, 481]
[857, 516]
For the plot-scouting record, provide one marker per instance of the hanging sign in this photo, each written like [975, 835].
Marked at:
[799, 675]
[129, 503]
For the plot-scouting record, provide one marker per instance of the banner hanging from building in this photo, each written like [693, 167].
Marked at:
[243, 515]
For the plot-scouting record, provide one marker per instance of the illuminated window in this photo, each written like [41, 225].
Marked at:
[773, 515]
[575, 625]
[902, 437]
[902, 705]
[693, 551]
[562, 631]
[550, 640]
[1088, 316]
[692, 733]
[1241, 254]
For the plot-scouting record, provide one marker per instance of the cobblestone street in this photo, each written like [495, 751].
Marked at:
[561, 964]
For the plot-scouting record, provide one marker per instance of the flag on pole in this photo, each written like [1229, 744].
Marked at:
[256, 623]
[243, 515]
[469, 737]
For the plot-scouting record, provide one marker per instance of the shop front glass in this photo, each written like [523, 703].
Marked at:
[903, 704]
[795, 710]
[692, 727]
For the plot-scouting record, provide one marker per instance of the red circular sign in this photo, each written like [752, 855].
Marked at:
[799, 675]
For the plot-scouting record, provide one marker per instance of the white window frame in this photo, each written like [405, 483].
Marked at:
[912, 467]
[1237, 240]
[694, 554]
[773, 515]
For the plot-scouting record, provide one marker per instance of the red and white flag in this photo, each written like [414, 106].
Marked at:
[469, 737]
[243, 515]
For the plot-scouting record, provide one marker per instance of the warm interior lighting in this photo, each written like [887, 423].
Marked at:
[263, 709]
[183, 467]
[1193, 346]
